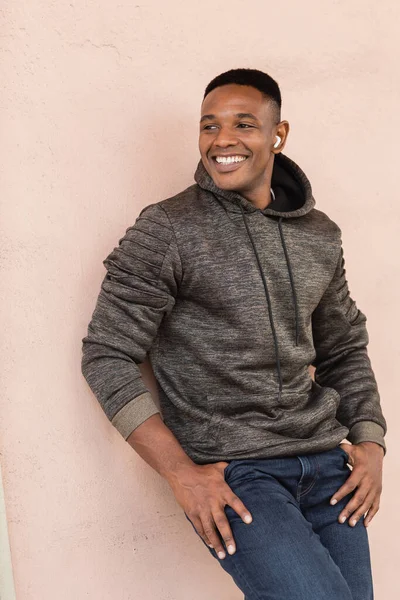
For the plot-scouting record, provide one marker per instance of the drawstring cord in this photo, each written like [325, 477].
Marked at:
[271, 319]
[296, 308]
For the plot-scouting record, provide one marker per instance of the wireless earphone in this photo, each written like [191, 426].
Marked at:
[278, 141]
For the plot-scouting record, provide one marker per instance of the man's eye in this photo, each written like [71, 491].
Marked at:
[244, 125]
[209, 126]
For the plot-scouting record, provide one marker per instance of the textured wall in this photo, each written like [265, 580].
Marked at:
[100, 105]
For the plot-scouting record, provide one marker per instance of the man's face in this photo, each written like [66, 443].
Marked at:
[237, 134]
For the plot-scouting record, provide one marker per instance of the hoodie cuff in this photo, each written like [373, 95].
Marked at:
[367, 431]
[134, 413]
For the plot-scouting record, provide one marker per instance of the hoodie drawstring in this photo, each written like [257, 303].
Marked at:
[271, 318]
[296, 308]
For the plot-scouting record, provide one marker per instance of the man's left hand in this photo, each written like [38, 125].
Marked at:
[366, 458]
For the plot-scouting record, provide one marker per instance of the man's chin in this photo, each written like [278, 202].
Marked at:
[228, 182]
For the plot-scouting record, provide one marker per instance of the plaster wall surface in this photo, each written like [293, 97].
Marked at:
[99, 106]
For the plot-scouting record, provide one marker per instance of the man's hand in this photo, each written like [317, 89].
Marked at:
[202, 492]
[366, 459]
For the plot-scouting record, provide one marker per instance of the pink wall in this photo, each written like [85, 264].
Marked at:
[100, 118]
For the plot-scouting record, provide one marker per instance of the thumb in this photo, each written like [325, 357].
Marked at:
[222, 464]
[348, 449]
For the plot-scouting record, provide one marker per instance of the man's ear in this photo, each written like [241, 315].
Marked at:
[280, 136]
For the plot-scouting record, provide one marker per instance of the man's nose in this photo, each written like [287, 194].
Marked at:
[225, 138]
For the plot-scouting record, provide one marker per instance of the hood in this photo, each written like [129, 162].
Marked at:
[291, 187]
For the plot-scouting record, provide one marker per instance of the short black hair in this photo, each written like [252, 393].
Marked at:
[253, 77]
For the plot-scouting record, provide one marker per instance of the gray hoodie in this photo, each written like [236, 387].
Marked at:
[232, 304]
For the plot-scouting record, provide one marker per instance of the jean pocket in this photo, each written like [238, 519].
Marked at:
[344, 453]
[227, 469]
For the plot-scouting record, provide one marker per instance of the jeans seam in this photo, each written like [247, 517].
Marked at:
[310, 487]
[302, 493]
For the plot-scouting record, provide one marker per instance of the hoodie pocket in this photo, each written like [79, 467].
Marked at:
[200, 426]
[245, 422]
[239, 417]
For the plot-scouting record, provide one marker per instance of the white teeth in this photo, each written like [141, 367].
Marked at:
[226, 160]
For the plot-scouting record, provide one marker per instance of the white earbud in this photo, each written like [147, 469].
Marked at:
[278, 141]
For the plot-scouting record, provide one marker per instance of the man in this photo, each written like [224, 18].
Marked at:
[234, 287]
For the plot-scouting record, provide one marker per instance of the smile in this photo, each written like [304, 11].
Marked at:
[227, 160]
[226, 164]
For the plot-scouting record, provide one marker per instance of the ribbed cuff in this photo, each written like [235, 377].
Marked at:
[134, 413]
[367, 431]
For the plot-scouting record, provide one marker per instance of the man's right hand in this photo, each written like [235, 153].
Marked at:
[202, 492]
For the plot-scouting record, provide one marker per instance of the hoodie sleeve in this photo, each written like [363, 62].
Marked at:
[342, 361]
[138, 290]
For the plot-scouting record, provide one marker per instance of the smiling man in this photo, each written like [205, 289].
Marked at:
[235, 287]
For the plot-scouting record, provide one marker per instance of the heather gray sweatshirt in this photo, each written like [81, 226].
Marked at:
[233, 303]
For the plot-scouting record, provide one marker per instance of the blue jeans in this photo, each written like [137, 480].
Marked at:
[295, 548]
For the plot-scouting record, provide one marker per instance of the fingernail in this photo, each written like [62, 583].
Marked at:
[342, 519]
[353, 522]
[334, 501]
[231, 549]
[247, 519]
[221, 554]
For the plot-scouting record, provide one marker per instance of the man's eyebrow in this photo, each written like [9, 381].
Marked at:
[246, 116]
[238, 115]
[207, 118]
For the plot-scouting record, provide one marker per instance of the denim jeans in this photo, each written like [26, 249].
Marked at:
[295, 548]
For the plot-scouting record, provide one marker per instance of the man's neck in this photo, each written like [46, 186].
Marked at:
[260, 198]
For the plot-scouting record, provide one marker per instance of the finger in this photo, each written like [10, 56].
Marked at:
[361, 510]
[349, 485]
[200, 530]
[239, 507]
[222, 524]
[211, 533]
[372, 512]
[355, 503]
